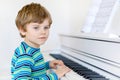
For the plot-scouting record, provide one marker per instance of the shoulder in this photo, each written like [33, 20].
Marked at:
[22, 55]
[24, 49]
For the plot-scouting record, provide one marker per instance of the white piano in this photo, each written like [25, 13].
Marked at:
[89, 58]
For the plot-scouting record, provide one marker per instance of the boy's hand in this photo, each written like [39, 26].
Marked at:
[62, 70]
[55, 63]
[59, 68]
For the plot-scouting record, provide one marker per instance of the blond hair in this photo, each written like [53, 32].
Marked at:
[33, 12]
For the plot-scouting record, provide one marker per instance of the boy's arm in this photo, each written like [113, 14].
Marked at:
[51, 76]
[47, 65]
[23, 69]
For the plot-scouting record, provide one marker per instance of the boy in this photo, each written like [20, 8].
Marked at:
[33, 22]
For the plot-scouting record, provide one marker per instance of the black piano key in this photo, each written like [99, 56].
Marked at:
[81, 70]
[92, 76]
[98, 79]
[88, 74]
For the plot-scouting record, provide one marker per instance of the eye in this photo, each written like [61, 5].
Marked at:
[36, 27]
[46, 27]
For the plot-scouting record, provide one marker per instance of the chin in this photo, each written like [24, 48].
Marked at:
[42, 43]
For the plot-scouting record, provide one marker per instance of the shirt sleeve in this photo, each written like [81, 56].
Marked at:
[23, 67]
[51, 76]
[47, 65]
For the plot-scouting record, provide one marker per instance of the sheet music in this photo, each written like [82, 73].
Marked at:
[102, 10]
[91, 15]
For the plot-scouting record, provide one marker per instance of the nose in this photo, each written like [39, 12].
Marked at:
[42, 31]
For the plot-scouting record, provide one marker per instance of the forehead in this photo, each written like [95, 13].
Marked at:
[44, 23]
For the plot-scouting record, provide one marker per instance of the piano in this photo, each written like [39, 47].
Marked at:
[89, 58]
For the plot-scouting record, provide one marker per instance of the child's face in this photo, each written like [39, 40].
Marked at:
[36, 34]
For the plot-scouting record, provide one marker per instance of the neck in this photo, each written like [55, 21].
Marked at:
[32, 44]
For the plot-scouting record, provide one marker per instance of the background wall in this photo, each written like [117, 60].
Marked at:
[68, 17]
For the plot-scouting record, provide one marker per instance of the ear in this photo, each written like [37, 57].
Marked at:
[22, 31]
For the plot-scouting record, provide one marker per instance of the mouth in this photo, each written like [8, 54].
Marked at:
[42, 38]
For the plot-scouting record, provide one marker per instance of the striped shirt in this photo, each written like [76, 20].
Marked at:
[28, 64]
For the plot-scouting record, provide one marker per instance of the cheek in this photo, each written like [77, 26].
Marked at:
[30, 34]
[47, 33]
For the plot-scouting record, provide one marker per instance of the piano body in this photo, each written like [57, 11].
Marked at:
[89, 58]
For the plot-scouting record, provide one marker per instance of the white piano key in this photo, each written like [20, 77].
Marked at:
[74, 76]
[64, 78]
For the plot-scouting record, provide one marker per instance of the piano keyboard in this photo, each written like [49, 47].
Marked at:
[79, 72]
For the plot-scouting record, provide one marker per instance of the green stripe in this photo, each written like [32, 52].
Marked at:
[28, 49]
[25, 59]
[38, 73]
[36, 55]
[23, 69]
[51, 76]
[21, 51]
[40, 63]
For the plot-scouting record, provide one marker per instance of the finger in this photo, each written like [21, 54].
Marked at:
[60, 62]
